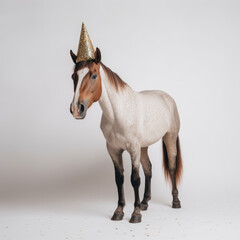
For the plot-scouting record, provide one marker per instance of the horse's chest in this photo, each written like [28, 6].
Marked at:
[115, 135]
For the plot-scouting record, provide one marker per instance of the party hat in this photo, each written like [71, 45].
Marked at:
[85, 47]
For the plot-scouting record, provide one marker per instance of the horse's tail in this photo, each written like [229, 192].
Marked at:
[179, 166]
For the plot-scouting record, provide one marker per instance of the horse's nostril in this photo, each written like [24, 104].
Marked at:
[81, 109]
[71, 109]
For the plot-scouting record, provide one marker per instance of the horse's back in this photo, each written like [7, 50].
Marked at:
[158, 115]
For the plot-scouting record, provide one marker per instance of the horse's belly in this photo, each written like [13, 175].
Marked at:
[145, 136]
[152, 133]
[154, 118]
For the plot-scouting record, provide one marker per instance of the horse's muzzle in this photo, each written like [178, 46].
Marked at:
[79, 111]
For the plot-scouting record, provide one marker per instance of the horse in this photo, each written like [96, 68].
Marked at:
[131, 121]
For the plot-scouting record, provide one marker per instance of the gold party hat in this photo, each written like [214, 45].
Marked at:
[85, 47]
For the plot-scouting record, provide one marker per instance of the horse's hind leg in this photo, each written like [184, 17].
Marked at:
[116, 156]
[147, 168]
[172, 164]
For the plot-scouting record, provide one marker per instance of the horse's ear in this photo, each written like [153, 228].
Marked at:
[97, 55]
[74, 57]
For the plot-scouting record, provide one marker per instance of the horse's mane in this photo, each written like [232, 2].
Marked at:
[114, 79]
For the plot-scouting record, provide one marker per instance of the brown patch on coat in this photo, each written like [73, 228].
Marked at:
[90, 89]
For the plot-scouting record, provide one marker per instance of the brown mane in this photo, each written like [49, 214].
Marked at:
[114, 79]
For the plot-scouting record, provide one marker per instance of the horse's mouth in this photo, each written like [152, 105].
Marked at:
[80, 117]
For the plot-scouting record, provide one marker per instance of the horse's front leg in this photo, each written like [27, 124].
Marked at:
[147, 168]
[135, 180]
[116, 155]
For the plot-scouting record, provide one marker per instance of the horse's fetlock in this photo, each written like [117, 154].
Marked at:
[121, 203]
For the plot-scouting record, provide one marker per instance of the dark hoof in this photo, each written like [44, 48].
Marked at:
[135, 219]
[176, 205]
[117, 216]
[143, 206]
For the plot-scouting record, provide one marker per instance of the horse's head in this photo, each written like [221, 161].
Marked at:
[87, 84]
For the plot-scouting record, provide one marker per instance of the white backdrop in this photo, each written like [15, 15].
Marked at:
[189, 49]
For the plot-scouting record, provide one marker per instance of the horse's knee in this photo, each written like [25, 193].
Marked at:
[135, 179]
[135, 182]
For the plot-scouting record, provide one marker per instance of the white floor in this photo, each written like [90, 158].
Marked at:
[75, 201]
[77, 218]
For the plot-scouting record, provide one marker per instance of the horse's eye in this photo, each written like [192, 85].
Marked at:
[94, 76]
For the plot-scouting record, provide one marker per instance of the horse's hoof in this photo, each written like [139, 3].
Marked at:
[117, 217]
[176, 204]
[143, 206]
[136, 219]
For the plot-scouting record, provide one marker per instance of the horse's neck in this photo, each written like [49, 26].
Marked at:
[111, 100]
